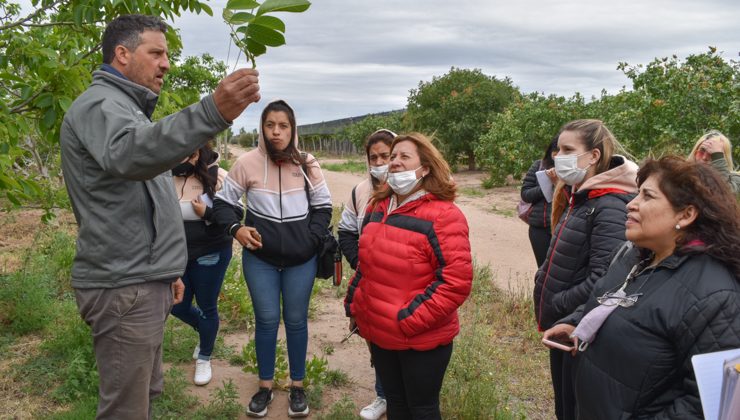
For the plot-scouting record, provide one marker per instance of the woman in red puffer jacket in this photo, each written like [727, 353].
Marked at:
[414, 271]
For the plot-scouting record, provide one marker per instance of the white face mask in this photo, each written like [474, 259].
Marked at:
[379, 172]
[566, 167]
[403, 182]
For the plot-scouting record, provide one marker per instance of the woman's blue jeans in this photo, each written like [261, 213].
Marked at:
[203, 279]
[267, 284]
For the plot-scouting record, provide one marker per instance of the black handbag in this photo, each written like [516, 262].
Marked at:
[328, 254]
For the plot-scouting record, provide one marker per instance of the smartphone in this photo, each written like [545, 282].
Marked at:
[559, 343]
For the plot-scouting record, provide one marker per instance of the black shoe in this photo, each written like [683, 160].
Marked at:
[298, 404]
[258, 406]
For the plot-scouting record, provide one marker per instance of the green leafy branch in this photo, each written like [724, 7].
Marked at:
[253, 30]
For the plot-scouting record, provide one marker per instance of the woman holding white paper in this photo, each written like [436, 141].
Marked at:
[209, 252]
[537, 193]
[672, 295]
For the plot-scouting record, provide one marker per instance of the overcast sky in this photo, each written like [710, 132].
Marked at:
[346, 58]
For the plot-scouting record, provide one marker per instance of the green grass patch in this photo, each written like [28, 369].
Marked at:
[502, 212]
[341, 410]
[352, 166]
[472, 191]
[499, 369]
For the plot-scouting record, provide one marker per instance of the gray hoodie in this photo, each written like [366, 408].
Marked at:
[116, 165]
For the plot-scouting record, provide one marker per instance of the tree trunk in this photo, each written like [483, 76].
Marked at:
[471, 160]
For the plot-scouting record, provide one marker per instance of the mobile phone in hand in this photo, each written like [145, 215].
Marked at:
[560, 343]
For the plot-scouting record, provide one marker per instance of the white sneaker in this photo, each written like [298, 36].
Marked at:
[196, 352]
[202, 372]
[375, 410]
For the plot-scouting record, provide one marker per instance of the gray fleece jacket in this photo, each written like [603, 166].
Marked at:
[116, 164]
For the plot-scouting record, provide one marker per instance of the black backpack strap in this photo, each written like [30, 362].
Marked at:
[354, 199]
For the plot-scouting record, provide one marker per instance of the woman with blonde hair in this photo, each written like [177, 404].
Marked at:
[414, 271]
[714, 148]
[588, 215]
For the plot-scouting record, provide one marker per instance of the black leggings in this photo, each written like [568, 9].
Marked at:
[539, 238]
[412, 380]
[561, 370]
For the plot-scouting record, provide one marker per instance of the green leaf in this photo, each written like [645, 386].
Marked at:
[240, 18]
[265, 36]
[241, 4]
[44, 100]
[64, 103]
[255, 48]
[12, 199]
[270, 22]
[50, 117]
[8, 76]
[206, 8]
[294, 6]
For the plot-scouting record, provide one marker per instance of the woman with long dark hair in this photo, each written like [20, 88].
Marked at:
[540, 231]
[378, 154]
[288, 211]
[209, 252]
[670, 293]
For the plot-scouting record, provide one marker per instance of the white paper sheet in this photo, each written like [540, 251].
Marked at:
[545, 185]
[708, 371]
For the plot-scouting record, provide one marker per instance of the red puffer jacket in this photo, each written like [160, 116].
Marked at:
[414, 271]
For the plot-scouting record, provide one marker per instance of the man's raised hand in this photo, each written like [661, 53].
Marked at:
[235, 92]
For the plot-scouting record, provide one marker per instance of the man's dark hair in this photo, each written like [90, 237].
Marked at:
[126, 30]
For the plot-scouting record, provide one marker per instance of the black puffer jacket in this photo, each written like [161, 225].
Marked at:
[639, 364]
[539, 216]
[590, 229]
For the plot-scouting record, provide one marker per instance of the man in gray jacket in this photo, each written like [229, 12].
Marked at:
[131, 247]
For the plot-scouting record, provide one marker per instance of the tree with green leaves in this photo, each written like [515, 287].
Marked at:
[47, 56]
[674, 102]
[358, 132]
[46, 60]
[455, 109]
[519, 135]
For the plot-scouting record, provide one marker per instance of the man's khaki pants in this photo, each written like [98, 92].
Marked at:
[127, 328]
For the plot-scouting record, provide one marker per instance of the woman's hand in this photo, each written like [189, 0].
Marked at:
[249, 238]
[710, 146]
[562, 332]
[199, 207]
[552, 175]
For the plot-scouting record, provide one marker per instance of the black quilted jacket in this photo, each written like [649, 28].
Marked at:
[639, 365]
[539, 216]
[589, 231]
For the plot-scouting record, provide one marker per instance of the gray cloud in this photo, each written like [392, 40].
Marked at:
[346, 58]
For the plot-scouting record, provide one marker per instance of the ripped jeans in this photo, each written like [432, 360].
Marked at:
[203, 279]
